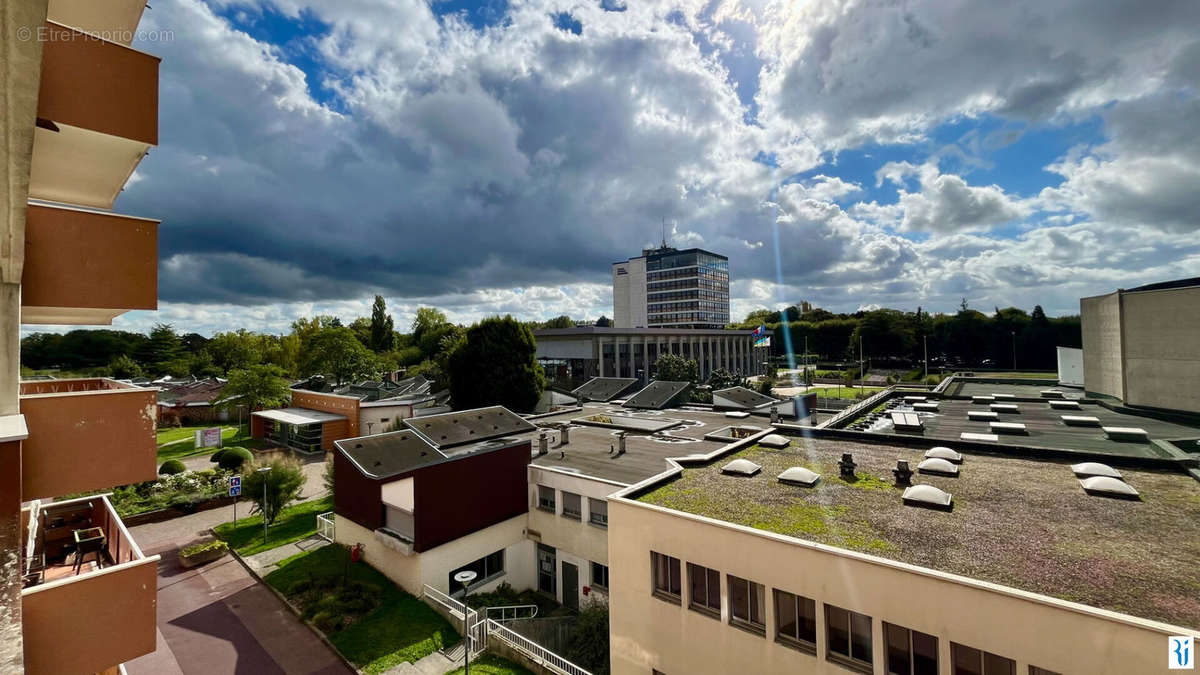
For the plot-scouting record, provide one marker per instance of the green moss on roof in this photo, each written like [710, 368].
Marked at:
[1016, 522]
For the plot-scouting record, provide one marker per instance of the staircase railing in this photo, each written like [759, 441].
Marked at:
[325, 525]
[511, 612]
[533, 651]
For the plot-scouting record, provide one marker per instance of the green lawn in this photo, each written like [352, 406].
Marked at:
[294, 523]
[186, 445]
[488, 664]
[401, 628]
[1021, 374]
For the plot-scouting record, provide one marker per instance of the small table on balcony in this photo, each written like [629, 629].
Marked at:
[89, 540]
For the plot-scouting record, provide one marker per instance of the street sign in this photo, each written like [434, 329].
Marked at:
[235, 486]
[235, 492]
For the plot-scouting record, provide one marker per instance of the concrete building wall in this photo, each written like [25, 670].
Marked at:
[629, 293]
[577, 542]
[1070, 366]
[650, 633]
[375, 419]
[1100, 317]
[1161, 339]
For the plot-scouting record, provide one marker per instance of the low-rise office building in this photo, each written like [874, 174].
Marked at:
[1140, 346]
[810, 558]
[572, 356]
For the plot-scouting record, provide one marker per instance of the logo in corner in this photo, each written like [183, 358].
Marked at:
[1180, 652]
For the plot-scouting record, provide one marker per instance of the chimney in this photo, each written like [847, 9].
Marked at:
[846, 466]
[774, 414]
[543, 444]
[902, 473]
[565, 434]
[620, 444]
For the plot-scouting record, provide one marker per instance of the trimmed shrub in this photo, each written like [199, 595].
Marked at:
[233, 458]
[216, 456]
[171, 467]
[204, 547]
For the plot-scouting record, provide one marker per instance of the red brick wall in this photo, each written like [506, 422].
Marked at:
[330, 403]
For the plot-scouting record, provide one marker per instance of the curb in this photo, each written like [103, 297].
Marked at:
[237, 556]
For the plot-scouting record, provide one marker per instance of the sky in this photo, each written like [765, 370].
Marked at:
[497, 156]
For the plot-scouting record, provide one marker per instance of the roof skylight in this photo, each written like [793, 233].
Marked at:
[741, 467]
[798, 475]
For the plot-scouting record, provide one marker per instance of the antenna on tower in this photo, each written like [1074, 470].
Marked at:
[664, 232]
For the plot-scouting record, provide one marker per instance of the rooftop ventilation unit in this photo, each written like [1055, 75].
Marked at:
[942, 452]
[938, 467]
[846, 466]
[774, 441]
[741, 467]
[798, 475]
[902, 473]
[1087, 469]
[1107, 486]
[928, 496]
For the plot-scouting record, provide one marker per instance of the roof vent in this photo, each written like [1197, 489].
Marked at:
[741, 467]
[929, 497]
[846, 466]
[774, 441]
[798, 475]
[902, 473]
[942, 452]
[1107, 486]
[938, 466]
[1094, 469]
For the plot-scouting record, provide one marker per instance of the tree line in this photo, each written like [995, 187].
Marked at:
[966, 338]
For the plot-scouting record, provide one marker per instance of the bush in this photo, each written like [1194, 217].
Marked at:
[171, 467]
[204, 547]
[588, 642]
[216, 456]
[327, 622]
[232, 458]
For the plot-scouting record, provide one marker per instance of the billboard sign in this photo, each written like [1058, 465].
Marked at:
[208, 438]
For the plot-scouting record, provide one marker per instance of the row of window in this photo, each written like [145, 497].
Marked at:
[677, 317]
[686, 260]
[702, 305]
[703, 272]
[486, 569]
[848, 635]
[693, 294]
[572, 506]
[716, 286]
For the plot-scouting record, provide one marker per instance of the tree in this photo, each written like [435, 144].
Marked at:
[338, 352]
[281, 485]
[496, 364]
[562, 321]
[327, 476]
[235, 350]
[123, 367]
[674, 368]
[426, 319]
[603, 322]
[587, 644]
[164, 345]
[723, 379]
[257, 387]
[383, 335]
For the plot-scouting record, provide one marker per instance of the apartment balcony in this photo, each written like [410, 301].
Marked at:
[97, 117]
[87, 267]
[117, 19]
[94, 613]
[87, 434]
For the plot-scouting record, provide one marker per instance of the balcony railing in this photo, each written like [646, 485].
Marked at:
[86, 434]
[86, 267]
[93, 616]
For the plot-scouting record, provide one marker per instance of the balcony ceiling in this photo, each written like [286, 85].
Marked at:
[82, 167]
[113, 19]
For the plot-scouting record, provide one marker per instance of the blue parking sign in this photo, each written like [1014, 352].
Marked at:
[235, 491]
[235, 486]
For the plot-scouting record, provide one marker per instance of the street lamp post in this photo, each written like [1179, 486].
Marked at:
[925, 345]
[465, 578]
[1014, 345]
[266, 471]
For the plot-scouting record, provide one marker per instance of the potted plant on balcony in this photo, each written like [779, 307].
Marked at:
[202, 552]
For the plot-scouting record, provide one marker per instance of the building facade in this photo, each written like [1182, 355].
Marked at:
[572, 356]
[670, 288]
[79, 110]
[1140, 346]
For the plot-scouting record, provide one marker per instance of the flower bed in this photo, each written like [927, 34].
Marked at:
[182, 492]
[202, 552]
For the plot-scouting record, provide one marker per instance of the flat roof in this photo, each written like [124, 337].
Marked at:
[646, 454]
[1022, 523]
[389, 454]
[1044, 427]
[584, 331]
[299, 416]
[468, 426]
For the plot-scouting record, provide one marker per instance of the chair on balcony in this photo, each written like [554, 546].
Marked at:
[89, 541]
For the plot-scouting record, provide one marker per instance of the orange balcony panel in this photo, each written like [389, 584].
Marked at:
[87, 434]
[101, 86]
[85, 267]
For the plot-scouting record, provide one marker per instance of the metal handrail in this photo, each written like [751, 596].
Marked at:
[516, 610]
[325, 525]
[535, 652]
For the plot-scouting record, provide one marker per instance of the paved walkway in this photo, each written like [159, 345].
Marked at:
[218, 619]
[434, 664]
[266, 562]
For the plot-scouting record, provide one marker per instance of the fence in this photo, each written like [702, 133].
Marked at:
[325, 525]
[532, 650]
[511, 612]
[476, 624]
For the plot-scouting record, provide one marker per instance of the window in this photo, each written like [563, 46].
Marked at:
[598, 512]
[747, 604]
[546, 498]
[971, 661]
[910, 652]
[600, 575]
[1034, 670]
[572, 505]
[796, 620]
[705, 589]
[849, 638]
[486, 568]
[666, 576]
